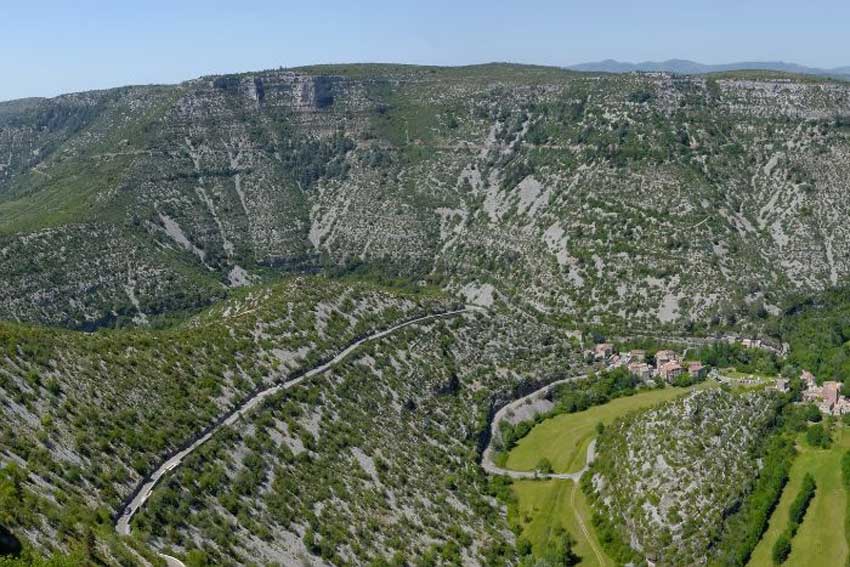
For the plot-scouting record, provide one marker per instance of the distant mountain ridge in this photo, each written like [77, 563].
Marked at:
[687, 67]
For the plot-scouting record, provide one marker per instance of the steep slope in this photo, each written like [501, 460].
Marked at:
[86, 416]
[374, 462]
[668, 477]
[628, 200]
[367, 461]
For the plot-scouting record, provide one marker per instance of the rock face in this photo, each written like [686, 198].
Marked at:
[668, 476]
[646, 199]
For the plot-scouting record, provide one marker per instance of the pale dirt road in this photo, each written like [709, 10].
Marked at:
[491, 467]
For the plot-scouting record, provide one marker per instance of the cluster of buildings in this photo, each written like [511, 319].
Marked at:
[668, 365]
[827, 396]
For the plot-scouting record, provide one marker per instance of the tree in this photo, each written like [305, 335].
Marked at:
[812, 413]
[781, 549]
[558, 551]
[818, 436]
[544, 466]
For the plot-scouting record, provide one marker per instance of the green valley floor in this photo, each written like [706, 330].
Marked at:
[821, 539]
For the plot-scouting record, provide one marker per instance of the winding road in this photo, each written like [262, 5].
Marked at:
[490, 466]
[144, 490]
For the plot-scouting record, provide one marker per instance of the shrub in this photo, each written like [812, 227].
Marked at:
[196, 558]
[818, 436]
[801, 503]
[781, 549]
[544, 466]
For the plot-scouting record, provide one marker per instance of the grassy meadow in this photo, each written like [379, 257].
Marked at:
[563, 439]
[821, 539]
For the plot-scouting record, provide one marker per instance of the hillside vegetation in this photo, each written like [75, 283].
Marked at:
[85, 416]
[628, 200]
[338, 470]
[666, 478]
[167, 251]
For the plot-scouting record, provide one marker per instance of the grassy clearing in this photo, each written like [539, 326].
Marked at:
[737, 375]
[544, 505]
[564, 439]
[820, 540]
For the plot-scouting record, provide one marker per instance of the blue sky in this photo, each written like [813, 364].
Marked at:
[54, 46]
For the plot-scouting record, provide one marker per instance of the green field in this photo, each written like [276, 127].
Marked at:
[821, 539]
[564, 439]
[544, 505]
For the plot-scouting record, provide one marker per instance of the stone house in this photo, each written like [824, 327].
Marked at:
[842, 406]
[640, 370]
[670, 370]
[829, 396]
[696, 370]
[808, 379]
[662, 357]
[602, 351]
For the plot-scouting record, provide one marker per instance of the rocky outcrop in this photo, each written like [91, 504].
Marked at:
[628, 200]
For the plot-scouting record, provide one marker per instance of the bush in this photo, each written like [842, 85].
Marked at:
[544, 466]
[813, 414]
[818, 436]
[558, 551]
[801, 503]
[197, 558]
[781, 549]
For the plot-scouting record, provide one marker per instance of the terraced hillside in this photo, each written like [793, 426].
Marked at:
[633, 200]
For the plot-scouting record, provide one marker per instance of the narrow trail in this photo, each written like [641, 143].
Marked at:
[583, 527]
[145, 487]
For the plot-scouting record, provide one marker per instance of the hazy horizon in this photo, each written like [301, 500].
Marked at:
[62, 47]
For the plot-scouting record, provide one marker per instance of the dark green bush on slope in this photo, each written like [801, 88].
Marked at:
[782, 547]
[818, 436]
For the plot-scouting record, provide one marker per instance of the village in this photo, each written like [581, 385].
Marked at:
[668, 365]
[827, 397]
